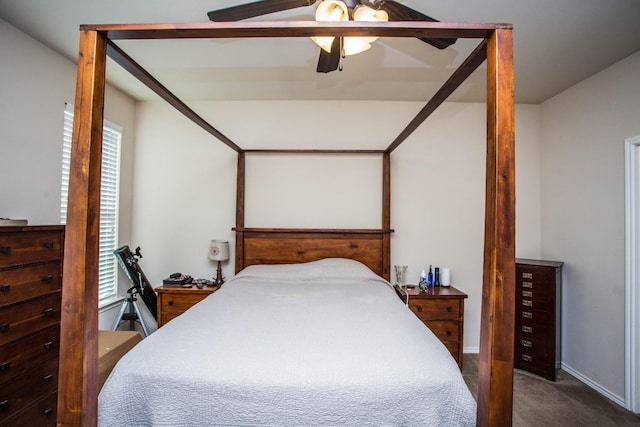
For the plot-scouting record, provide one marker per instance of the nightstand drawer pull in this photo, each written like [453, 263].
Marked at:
[526, 343]
[449, 309]
[48, 278]
[4, 405]
[48, 345]
[419, 308]
[527, 275]
[4, 327]
[47, 378]
[527, 315]
[4, 367]
[528, 285]
[170, 302]
[48, 412]
[527, 329]
[527, 358]
[5, 249]
[49, 312]
[5, 288]
[527, 294]
[527, 303]
[449, 333]
[49, 245]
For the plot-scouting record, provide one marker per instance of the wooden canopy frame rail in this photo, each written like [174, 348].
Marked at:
[78, 375]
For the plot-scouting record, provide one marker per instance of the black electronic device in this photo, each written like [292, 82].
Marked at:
[129, 262]
[177, 279]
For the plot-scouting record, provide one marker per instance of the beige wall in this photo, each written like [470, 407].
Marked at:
[185, 183]
[582, 170]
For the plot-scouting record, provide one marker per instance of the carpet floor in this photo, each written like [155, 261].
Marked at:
[566, 402]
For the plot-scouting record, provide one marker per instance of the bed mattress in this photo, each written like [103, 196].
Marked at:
[322, 343]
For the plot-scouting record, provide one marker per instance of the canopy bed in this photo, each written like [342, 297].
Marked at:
[78, 378]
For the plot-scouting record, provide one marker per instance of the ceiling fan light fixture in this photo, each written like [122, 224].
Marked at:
[337, 11]
[330, 11]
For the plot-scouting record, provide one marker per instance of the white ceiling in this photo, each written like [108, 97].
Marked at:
[557, 43]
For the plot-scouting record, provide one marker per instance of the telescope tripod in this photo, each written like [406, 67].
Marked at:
[130, 311]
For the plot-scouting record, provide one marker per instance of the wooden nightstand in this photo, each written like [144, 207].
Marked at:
[175, 300]
[441, 309]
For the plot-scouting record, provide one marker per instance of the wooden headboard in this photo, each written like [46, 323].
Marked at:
[296, 245]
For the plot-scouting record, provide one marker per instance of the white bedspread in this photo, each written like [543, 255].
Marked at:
[324, 343]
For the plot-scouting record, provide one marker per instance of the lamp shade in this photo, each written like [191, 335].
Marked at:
[219, 250]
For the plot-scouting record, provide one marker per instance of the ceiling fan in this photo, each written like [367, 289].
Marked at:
[334, 48]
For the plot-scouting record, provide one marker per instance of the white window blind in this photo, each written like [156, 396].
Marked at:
[109, 193]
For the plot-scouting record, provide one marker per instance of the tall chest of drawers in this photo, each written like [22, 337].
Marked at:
[537, 317]
[30, 291]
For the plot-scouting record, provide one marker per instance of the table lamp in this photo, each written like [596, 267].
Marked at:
[219, 251]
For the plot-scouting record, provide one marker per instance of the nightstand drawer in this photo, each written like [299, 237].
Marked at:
[435, 308]
[180, 303]
[445, 330]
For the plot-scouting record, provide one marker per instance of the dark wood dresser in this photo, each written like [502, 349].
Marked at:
[441, 309]
[30, 287]
[537, 322]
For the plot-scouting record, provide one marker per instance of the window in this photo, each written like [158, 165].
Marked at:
[111, 136]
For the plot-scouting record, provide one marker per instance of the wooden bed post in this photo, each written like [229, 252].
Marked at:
[386, 215]
[495, 379]
[240, 212]
[78, 374]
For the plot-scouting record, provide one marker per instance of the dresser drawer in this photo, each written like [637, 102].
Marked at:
[436, 308]
[528, 316]
[18, 284]
[176, 303]
[41, 414]
[20, 320]
[531, 344]
[21, 355]
[28, 388]
[22, 248]
[531, 303]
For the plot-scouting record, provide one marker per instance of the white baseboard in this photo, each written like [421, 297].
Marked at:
[577, 375]
[594, 385]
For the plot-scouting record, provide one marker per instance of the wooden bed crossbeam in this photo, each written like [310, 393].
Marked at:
[78, 390]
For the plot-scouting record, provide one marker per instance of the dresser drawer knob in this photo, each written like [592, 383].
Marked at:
[5, 288]
[5, 249]
[449, 333]
[449, 309]
[526, 343]
[48, 345]
[4, 405]
[4, 367]
[170, 302]
[527, 329]
[47, 378]
[4, 327]
[527, 315]
[419, 308]
[48, 412]
[48, 278]
[527, 303]
[49, 245]
[527, 358]
[49, 312]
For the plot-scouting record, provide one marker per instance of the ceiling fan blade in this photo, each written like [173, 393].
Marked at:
[257, 8]
[328, 62]
[400, 12]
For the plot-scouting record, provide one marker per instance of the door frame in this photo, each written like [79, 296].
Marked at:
[632, 273]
